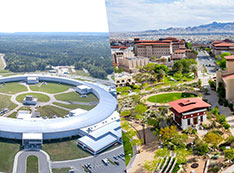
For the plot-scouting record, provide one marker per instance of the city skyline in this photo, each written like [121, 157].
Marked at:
[147, 14]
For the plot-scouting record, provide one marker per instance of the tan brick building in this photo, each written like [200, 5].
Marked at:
[219, 47]
[227, 78]
[158, 48]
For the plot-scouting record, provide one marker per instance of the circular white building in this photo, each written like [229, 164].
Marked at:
[34, 131]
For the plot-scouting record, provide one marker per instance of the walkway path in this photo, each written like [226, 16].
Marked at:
[147, 151]
[3, 66]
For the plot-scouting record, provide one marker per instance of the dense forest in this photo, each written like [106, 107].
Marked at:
[28, 52]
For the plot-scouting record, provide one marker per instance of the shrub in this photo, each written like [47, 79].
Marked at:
[226, 126]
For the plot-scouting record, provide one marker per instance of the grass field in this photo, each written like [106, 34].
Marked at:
[7, 154]
[61, 170]
[12, 88]
[13, 115]
[168, 97]
[4, 101]
[127, 148]
[50, 111]
[74, 106]
[74, 96]
[32, 164]
[50, 87]
[41, 97]
[64, 150]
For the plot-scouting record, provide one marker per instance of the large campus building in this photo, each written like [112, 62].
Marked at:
[219, 47]
[226, 78]
[95, 129]
[189, 112]
[158, 48]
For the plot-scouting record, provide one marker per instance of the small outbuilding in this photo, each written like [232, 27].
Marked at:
[32, 80]
[83, 89]
[30, 100]
[189, 111]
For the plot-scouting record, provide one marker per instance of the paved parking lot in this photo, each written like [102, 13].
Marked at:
[96, 163]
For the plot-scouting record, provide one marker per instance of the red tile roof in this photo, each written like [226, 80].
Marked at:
[231, 57]
[119, 47]
[187, 104]
[160, 43]
[229, 76]
[224, 44]
[217, 42]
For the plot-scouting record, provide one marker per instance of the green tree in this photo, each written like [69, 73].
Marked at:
[229, 154]
[213, 138]
[201, 147]
[140, 111]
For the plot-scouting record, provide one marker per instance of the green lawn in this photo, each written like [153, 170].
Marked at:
[74, 96]
[8, 149]
[168, 97]
[32, 164]
[50, 87]
[61, 170]
[75, 106]
[64, 150]
[5, 102]
[13, 115]
[12, 88]
[41, 97]
[127, 148]
[50, 111]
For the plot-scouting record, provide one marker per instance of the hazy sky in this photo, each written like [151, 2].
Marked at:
[53, 16]
[139, 15]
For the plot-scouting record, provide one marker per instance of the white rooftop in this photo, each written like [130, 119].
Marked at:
[83, 87]
[32, 78]
[32, 136]
[78, 111]
[96, 145]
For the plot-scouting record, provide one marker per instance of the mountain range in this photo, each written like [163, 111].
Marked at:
[214, 27]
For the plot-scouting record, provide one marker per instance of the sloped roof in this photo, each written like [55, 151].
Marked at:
[187, 104]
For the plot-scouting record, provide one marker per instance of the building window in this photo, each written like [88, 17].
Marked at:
[188, 122]
[201, 118]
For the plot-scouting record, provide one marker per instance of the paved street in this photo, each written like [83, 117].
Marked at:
[204, 58]
[96, 163]
[21, 161]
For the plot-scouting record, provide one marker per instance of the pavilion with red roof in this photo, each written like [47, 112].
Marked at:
[189, 111]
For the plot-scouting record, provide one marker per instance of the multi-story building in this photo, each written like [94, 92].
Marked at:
[130, 64]
[158, 48]
[227, 78]
[219, 47]
[189, 112]
[123, 79]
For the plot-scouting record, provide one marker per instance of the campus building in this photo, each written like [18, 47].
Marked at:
[102, 138]
[96, 123]
[131, 64]
[219, 47]
[83, 89]
[189, 112]
[30, 100]
[158, 48]
[123, 79]
[226, 78]
[32, 80]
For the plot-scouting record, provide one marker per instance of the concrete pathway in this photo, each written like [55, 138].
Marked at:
[20, 161]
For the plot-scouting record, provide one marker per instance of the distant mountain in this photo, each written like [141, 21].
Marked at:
[214, 27]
